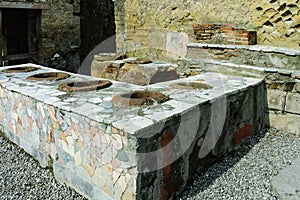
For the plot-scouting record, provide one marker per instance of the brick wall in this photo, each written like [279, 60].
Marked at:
[223, 34]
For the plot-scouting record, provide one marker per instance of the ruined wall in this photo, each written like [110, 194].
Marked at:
[277, 22]
[60, 34]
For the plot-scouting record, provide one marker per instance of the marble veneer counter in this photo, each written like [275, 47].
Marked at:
[102, 150]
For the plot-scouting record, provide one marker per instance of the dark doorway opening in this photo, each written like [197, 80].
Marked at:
[20, 35]
[97, 23]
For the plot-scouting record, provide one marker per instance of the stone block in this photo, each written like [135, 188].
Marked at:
[287, 183]
[276, 99]
[287, 122]
[293, 103]
[176, 44]
[281, 85]
[98, 67]
[131, 73]
[105, 57]
[297, 87]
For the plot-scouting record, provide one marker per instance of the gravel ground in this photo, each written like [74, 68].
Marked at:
[245, 174]
[21, 177]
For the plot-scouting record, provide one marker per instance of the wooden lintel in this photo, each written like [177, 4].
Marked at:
[23, 5]
[18, 56]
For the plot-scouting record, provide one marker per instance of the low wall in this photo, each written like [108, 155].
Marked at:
[278, 66]
[107, 151]
[255, 55]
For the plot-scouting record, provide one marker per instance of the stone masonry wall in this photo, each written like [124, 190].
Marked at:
[276, 22]
[60, 28]
[56, 137]
[84, 153]
[61, 34]
[262, 56]
[171, 179]
[283, 100]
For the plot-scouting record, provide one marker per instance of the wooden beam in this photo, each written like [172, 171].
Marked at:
[23, 5]
[18, 56]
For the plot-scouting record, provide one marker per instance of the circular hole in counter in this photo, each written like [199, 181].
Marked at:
[84, 86]
[192, 85]
[23, 69]
[49, 76]
[139, 98]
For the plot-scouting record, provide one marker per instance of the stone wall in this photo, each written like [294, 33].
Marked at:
[84, 153]
[142, 26]
[60, 34]
[284, 101]
[262, 56]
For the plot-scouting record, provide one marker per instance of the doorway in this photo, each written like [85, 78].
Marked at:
[20, 35]
[97, 23]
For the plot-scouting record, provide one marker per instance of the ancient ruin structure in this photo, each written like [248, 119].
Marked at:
[188, 82]
[55, 34]
[171, 30]
[109, 143]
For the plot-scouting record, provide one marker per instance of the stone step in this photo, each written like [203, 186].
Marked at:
[228, 67]
[254, 55]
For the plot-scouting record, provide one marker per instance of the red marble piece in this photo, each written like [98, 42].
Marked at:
[242, 133]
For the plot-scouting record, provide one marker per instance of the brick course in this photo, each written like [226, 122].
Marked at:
[224, 34]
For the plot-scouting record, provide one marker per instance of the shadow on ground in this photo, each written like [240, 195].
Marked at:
[208, 176]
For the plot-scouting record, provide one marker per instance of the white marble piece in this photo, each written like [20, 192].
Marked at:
[95, 100]
[132, 125]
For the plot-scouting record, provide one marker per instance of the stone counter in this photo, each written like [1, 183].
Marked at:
[106, 151]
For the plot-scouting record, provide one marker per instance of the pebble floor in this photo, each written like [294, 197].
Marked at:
[245, 174]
